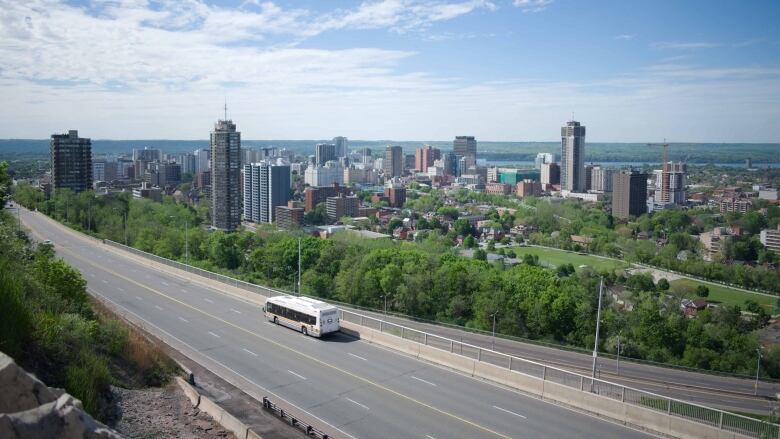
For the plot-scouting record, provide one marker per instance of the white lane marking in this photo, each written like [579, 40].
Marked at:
[509, 411]
[250, 352]
[184, 320]
[120, 289]
[105, 281]
[356, 356]
[429, 436]
[138, 297]
[423, 381]
[208, 300]
[165, 283]
[235, 311]
[297, 374]
[158, 307]
[357, 403]
[215, 335]
[91, 275]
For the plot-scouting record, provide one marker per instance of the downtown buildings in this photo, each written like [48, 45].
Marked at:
[71, 161]
[225, 176]
[629, 196]
[266, 186]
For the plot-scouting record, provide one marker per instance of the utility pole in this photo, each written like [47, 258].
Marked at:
[598, 325]
[299, 266]
[758, 369]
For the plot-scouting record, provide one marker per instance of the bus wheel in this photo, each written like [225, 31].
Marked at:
[276, 322]
[303, 330]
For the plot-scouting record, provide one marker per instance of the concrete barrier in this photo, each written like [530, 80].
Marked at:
[231, 423]
[457, 362]
[188, 390]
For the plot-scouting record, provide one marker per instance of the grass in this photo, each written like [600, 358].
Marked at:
[554, 257]
[721, 294]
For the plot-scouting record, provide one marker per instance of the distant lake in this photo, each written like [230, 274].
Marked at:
[527, 164]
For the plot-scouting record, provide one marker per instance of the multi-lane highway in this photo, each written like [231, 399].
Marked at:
[352, 388]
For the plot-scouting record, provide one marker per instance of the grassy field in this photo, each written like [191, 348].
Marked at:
[721, 294]
[554, 258]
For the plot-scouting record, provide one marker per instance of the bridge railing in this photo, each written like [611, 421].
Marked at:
[727, 421]
[713, 417]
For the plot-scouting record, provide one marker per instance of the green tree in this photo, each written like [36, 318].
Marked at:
[702, 291]
[480, 255]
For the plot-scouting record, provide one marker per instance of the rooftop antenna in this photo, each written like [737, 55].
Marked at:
[226, 108]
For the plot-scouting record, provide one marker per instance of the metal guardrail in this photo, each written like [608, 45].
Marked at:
[727, 421]
[295, 422]
[720, 419]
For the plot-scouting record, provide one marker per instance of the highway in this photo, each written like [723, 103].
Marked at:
[354, 389]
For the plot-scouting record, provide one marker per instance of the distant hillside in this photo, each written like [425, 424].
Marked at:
[492, 151]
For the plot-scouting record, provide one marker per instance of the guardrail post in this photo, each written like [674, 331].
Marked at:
[361, 321]
[669, 406]
[544, 373]
[403, 332]
[510, 362]
[720, 421]
[479, 354]
[622, 394]
[381, 326]
[425, 338]
[582, 383]
[452, 346]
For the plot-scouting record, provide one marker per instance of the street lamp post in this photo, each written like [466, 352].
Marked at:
[618, 355]
[493, 340]
[299, 266]
[186, 241]
[758, 369]
[598, 325]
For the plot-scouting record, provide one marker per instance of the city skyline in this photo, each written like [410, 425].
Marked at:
[292, 61]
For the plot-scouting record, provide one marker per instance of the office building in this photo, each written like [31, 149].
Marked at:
[318, 176]
[465, 146]
[103, 170]
[315, 195]
[573, 157]
[289, 217]
[71, 161]
[528, 188]
[550, 174]
[629, 196]
[146, 191]
[341, 146]
[187, 163]
[543, 158]
[266, 186]
[162, 174]
[396, 195]
[323, 153]
[514, 176]
[202, 160]
[147, 154]
[393, 164]
[425, 156]
[225, 176]
[588, 177]
[340, 206]
[601, 179]
[498, 188]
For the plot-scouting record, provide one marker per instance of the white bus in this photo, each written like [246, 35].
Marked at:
[311, 317]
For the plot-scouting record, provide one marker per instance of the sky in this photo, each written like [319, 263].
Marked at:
[502, 70]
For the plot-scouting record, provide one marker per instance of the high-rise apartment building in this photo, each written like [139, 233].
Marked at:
[341, 146]
[266, 186]
[465, 146]
[324, 152]
[573, 157]
[71, 161]
[601, 179]
[424, 157]
[225, 176]
[393, 164]
[103, 170]
[550, 174]
[629, 194]
[202, 160]
[671, 183]
[163, 174]
[341, 206]
[147, 154]
[542, 158]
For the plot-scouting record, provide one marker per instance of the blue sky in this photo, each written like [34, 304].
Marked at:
[631, 71]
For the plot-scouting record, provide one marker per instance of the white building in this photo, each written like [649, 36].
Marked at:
[319, 176]
[266, 186]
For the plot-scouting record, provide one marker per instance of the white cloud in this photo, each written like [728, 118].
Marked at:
[625, 37]
[532, 5]
[685, 45]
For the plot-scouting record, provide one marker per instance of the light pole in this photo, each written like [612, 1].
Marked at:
[299, 266]
[618, 355]
[758, 369]
[493, 340]
[598, 325]
[384, 296]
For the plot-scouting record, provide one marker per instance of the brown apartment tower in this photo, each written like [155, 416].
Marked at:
[629, 196]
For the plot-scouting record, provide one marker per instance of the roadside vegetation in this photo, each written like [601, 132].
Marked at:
[427, 279]
[52, 328]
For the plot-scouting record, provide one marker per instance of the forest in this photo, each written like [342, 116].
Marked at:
[426, 279]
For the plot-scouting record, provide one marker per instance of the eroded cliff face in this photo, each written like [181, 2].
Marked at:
[30, 409]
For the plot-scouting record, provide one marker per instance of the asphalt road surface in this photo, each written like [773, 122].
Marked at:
[353, 389]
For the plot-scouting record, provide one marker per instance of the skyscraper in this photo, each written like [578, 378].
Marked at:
[393, 164]
[266, 186]
[71, 161]
[147, 154]
[573, 157]
[341, 146]
[324, 152]
[629, 196]
[425, 156]
[465, 146]
[542, 158]
[225, 176]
